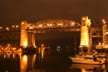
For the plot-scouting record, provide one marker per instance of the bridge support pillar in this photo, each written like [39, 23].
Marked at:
[85, 40]
[27, 39]
[24, 35]
[31, 40]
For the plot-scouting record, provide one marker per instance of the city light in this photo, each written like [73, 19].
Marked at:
[1, 27]
[22, 22]
[83, 18]
[72, 23]
[31, 27]
[7, 28]
[13, 26]
[106, 33]
[17, 26]
[49, 25]
[40, 25]
[104, 21]
[60, 24]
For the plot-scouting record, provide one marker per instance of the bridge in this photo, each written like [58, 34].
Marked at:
[28, 30]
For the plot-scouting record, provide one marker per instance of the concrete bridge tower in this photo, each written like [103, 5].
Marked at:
[85, 40]
[24, 35]
[27, 39]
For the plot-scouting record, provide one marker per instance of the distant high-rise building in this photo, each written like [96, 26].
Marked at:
[105, 34]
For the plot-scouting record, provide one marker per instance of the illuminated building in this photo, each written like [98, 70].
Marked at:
[105, 34]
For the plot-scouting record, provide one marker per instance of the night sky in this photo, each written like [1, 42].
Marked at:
[14, 11]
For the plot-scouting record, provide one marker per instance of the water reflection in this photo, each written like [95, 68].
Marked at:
[27, 62]
[89, 68]
[9, 62]
[43, 61]
[23, 63]
[41, 50]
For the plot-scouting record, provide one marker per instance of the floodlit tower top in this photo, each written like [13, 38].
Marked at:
[86, 21]
[103, 21]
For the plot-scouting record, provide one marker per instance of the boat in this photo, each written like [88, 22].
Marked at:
[88, 68]
[85, 66]
[87, 56]
[87, 59]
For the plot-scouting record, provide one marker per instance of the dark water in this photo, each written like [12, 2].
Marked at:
[44, 61]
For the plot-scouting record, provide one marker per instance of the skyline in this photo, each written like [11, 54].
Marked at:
[14, 11]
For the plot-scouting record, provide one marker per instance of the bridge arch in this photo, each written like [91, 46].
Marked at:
[28, 30]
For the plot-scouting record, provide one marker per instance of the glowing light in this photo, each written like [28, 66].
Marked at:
[84, 36]
[25, 44]
[60, 24]
[99, 43]
[42, 54]
[103, 21]
[33, 40]
[58, 48]
[99, 46]
[33, 60]
[106, 46]
[7, 28]
[49, 25]
[24, 62]
[106, 32]
[88, 22]
[1, 27]
[31, 27]
[73, 24]
[22, 22]
[13, 55]
[17, 26]
[13, 26]
[24, 58]
[40, 25]
[42, 50]
[4, 56]
[83, 70]
[84, 18]
[24, 35]
[24, 39]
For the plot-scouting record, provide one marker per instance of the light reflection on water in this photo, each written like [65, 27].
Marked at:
[89, 68]
[24, 63]
[42, 63]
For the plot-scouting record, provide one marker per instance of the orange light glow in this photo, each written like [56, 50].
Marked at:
[24, 39]
[83, 18]
[84, 36]
[103, 21]
[24, 61]
[40, 25]
[25, 44]
[83, 70]
[24, 58]
[24, 35]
